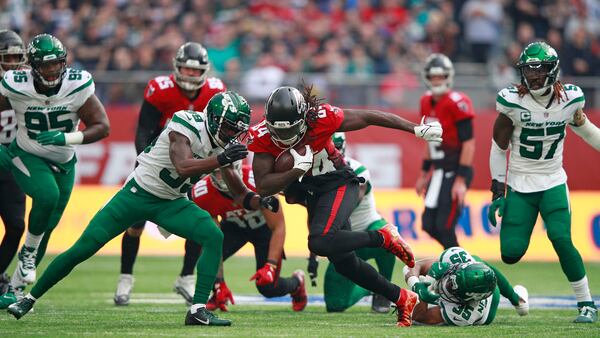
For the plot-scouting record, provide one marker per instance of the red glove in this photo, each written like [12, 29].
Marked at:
[265, 275]
[221, 295]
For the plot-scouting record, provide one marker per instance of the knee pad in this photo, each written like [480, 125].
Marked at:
[510, 260]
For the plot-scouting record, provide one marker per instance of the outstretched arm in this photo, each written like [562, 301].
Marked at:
[585, 129]
[355, 119]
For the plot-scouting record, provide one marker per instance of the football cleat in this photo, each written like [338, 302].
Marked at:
[523, 307]
[394, 243]
[405, 306]
[380, 304]
[124, 288]
[587, 314]
[205, 317]
[4, 282]
[299, 296]
[185, 286]
[26, 265]
[20, 308]
[11, 296]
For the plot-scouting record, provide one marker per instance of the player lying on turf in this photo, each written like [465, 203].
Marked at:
[298, 123]
[341, 293]
[463, 289]
[263, 228]
[193, 144]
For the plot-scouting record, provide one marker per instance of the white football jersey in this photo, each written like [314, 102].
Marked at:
[37, 112]
[536, 149]
[472, 313]
[365, 213]
[156, 173]
[8, 126]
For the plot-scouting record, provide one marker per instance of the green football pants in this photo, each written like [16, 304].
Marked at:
[49, 185]
[340, 292]
[520, 215]
[132, 204]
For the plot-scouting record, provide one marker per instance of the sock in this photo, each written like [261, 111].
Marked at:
[31, 297]
[129, 250]
[15, 282]
[582, 291]
[33, 241]
[195, 307]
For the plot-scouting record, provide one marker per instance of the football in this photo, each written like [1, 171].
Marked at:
[285, 160]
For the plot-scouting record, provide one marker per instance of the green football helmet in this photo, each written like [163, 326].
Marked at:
[48, 59]
[339, 141]
[538, 66]
[228, 116]
[466, 282]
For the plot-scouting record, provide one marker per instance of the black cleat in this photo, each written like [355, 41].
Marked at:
[380, 304]
[20, 308]
[205, 317]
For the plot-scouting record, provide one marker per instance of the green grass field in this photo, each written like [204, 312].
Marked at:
[81, 306]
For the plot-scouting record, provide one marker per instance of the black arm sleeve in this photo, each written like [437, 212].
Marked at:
[148, 126]
[465, 129]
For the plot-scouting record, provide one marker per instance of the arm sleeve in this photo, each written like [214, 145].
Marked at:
[465, 129]
[498, 163]
[148, 126]
[589, 133]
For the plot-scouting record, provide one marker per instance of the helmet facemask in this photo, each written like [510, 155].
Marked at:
[285, 133]
[539, 76]
[466, 282]
[227, 131]
[47, 69]
[11, 59]
[438, 65]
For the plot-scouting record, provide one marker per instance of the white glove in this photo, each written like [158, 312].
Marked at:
[431, 132]
[302, 162]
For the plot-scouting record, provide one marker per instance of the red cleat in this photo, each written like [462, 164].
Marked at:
[405, 307]
[299, 297]
[394, 243]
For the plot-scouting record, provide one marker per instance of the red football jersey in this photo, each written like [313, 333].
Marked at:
[164, 94]
[326, 157]
[209, 198]
[448, 110]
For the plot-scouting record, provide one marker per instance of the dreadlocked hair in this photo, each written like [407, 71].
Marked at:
[558, 90]
[312, 101]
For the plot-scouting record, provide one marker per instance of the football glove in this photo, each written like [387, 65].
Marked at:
[313, 267]
[422, 289]
[270, 203]
[265, 275]
[55, 137]
[221, 295]
[5, 158]
[302, 162]
[430, 132]
[438, 269]
[233, 152]
[498, 201]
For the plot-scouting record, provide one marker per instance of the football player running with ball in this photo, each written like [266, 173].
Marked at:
[295, 120]
[263, 228]
[463, 290]
[49, 101]
[532, 120]
[188, 88]
[192, 144]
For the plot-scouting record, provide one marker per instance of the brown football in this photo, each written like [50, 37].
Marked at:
[285, 160]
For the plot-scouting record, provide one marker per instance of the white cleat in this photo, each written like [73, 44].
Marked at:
[523, 307]
[185, 286]
[124, 288]
[26, 265]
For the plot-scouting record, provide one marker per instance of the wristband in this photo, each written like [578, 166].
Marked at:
[426, 165]
[465, 171]
[247, 200]
[411, 281]
[74, 137]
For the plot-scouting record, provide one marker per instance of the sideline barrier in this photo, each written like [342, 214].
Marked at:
[401, 207]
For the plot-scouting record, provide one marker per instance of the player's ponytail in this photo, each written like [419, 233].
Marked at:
[312, 101]
[558, 90]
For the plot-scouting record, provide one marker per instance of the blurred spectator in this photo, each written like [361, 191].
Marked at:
[482, 21]
[261, 80]
[578, 57]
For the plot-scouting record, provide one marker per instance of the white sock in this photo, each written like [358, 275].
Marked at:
[195, 307]
[16, 282]
[582, 290]
[31, 297]
[33, 241]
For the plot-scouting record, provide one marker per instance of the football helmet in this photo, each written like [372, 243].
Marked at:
[538, 67]
[191, 55]
[466, 282]
[11, 44]
[228, 116]
[339, 141]
[285, 115]
[218, 181]
[43, 51]
[438, 64]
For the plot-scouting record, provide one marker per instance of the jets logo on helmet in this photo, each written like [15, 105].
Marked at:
[466, 282]
[285, 115]
[538, 67]
[339, 141]
[48, 59]
[12, 51]
[228, 116]
[438, 65]
[191, 55]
